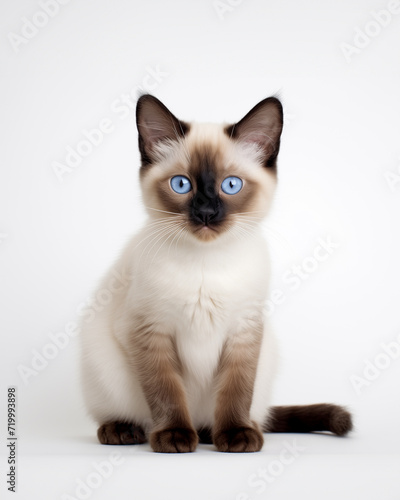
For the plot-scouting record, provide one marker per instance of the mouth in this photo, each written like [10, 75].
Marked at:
[206, 227]
[205, 232]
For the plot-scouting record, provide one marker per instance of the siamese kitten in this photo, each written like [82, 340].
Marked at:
[183, 351]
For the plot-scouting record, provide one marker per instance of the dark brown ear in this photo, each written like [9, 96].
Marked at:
[155, 124]
[261, 126]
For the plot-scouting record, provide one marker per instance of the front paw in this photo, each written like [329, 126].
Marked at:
[121, 433]
[243, 439]
[178, 440]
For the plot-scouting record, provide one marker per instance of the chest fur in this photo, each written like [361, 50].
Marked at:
[200, 300]
[199, 296]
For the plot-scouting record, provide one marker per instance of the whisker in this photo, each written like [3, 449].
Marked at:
[163, 211]
[272, 232]
[173, 232]
[247, 231]
[154, 231]
[165, 238]
[251, 212]
[155, 236]
[183, 227]
[257, 217]
[242, 234]
[182, 233]
[164, 220]
[251, 220]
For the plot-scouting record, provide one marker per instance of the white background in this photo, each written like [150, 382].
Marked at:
[340, 141]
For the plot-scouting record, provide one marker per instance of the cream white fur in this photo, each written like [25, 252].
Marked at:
[201, 293]
[200, 305]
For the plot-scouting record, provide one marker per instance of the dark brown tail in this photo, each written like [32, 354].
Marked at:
[309, 418]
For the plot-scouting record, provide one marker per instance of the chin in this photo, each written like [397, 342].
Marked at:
[206, 233]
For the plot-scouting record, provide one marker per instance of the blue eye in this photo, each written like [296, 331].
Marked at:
[231, 185]
[181, 184]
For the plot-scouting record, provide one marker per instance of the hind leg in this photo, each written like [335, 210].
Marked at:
[121, 433]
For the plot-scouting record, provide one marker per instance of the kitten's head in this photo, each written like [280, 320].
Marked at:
[208, 179]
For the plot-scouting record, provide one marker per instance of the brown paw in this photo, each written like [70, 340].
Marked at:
[340, 421]
[121, 433]
[179, 440]
[239, 440]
